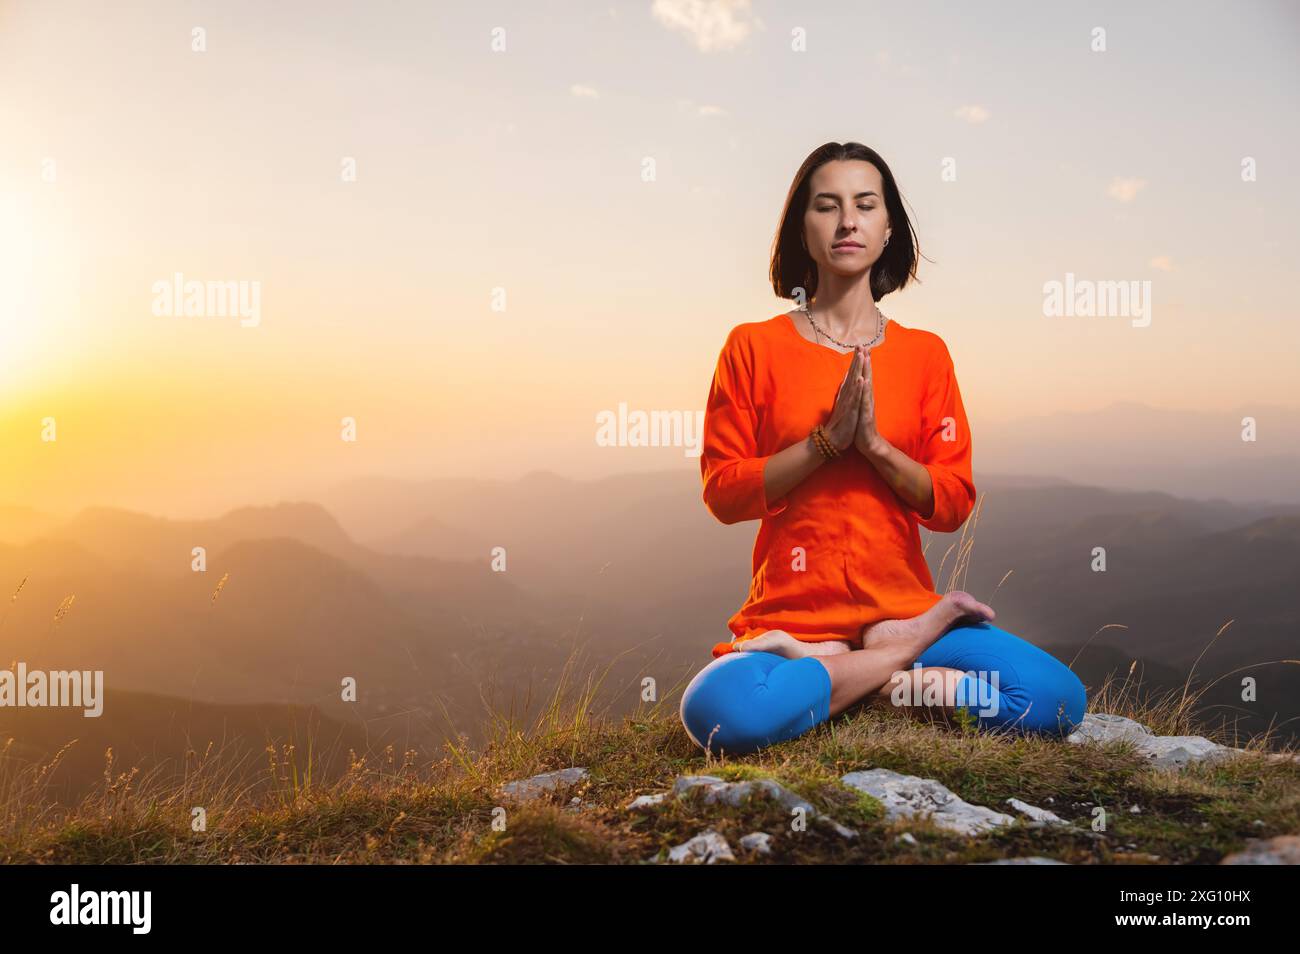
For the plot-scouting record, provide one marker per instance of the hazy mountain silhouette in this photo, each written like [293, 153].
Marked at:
[289, 624]
[631, 568]
[20, 524]
[1133, 446]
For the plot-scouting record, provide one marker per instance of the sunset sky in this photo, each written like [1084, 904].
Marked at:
[127, 157]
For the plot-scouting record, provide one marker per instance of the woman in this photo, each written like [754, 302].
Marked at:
[842, 431]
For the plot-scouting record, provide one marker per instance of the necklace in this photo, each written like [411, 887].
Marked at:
[881, 319]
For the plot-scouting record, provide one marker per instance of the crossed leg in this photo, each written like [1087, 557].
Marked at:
[889, 647]
[926, 691]
[950, 656]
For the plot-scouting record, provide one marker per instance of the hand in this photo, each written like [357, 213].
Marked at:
[866, 437]
[843, 423]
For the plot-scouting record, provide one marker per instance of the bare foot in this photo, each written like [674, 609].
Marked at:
[783, 644]
[921, 631]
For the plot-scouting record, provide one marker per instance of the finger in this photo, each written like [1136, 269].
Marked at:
[853, 398]
[851, 380]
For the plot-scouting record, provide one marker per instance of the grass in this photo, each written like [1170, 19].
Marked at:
[389, 810]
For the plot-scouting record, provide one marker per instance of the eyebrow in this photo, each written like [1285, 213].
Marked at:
[831, 195]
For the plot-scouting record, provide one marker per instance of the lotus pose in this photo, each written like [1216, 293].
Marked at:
[842, 431]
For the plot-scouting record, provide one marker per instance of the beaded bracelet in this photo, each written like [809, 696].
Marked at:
[831, 450]
[823, 443]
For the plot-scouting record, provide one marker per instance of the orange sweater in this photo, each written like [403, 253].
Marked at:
[841, 550]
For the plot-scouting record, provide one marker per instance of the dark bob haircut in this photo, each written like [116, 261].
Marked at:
[792, 266]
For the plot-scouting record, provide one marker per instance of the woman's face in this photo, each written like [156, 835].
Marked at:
[846, 205]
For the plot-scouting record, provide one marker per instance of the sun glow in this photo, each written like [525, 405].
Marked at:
[19, 322]
[17, 263]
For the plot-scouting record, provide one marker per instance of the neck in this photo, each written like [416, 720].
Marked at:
[847, 312]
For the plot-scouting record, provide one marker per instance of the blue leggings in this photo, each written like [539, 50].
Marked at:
[743, 701]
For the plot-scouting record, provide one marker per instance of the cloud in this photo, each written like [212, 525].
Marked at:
[1162, 262]
[588, 92]
[711, 25]
[972, 114]
[1125, 189]
[700, 109]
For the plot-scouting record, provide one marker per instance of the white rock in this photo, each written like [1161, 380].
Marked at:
[1281, 850]
[1178, 751]
[907, 796]
[841, 830]
[738, 793]
[1162, 751]
[1028, 860]
[758, 841]
[529, 788]
[646, 801]
[687, 782]
[1037, 814]
[706, 848]
[716, 790]
[1104, 727]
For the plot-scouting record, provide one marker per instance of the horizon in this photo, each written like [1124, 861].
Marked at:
[670, 459]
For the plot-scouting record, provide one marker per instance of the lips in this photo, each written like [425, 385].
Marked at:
[846, 245]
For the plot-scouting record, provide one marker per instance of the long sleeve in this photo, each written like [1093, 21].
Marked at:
[948, 461]
[729, 463]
